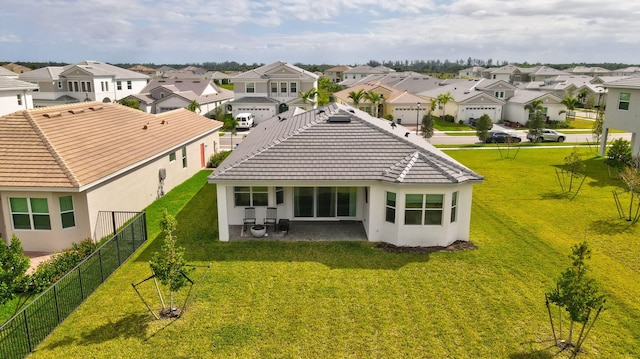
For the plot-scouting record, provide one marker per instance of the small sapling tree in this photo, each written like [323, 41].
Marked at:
[573, 168]
[482, 127]
[578, 294]
[427, 126]
[169, 265]
[631, 178]
[619, 155]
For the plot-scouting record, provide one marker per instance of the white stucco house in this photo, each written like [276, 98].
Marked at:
[67, 163]
[83, 81]
[15, 95]
[338, 163]
[622, 111]
[271, 89]
[166, 94]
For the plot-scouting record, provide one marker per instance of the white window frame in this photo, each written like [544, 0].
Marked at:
[30, 213]
[390, 207]
[254, 192]
[455, 197]
[626, 100]
[70, 211]
[250, 87]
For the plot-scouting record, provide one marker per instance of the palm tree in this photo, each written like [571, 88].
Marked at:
[193, 106]
[375, 99]
[536, 117]
[443, 99]
[309, 95]
[231, 125]
[356, 96]
[570, 103]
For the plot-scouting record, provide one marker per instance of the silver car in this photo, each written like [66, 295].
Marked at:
[546, 135]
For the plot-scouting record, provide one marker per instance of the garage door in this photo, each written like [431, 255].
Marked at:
[260, 113]
[477, 112]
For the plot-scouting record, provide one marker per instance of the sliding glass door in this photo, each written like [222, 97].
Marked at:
[324, 202]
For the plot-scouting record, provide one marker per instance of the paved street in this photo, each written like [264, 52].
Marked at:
[441, 138]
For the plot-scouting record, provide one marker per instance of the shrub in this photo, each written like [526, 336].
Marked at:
[449, 118]
[50, 271]
[216, 159]
[388, 117]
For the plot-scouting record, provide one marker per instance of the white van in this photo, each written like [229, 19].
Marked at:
[245, 120]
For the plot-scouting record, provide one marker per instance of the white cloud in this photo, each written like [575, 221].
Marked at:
[334, 31]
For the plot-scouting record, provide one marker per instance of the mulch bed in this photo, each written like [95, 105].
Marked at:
[453, 247]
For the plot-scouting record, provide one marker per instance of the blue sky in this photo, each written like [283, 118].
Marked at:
[325, 31]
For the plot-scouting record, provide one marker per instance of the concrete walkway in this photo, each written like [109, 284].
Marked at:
[36, 258]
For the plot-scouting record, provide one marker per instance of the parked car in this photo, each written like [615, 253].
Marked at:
[499, 136]
[546, 135]
[245, 120]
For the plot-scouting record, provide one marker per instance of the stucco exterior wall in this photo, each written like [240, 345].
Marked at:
[9, 101]
[627, 120]
[57, 238]
[370, 209]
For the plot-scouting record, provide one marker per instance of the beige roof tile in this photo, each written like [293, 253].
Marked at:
[78, 144]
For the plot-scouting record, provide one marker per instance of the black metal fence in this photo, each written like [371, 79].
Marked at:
[23, 332]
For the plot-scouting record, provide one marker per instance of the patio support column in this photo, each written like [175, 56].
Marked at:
[223, 220]
[603, 141]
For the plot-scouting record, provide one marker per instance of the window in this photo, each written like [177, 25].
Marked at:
[59, 84]
[106, 86]
[245, 196]
[293, 87]
[66, 212]
[30, 213]
[84, 86]
[623, 103]
[119, 85]
[279, 195]
[19, 98]
[499, 94]
[172, 156]
[129, 86]
[102, 85]
[184, 157]
[283, 88]
[423, 209]
[250, 87]
[88, 86]
[73, 86]
[274, 88]
[454, 206]
[391, 207]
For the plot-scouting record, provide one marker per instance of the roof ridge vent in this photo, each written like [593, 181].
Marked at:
[76, 110]
[95, 108]
[52, 114]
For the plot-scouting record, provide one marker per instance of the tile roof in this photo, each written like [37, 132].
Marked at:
[97, 68]
[77, 145]
[5, 72]
[15, 84]
[627, 82]
[43, 73]
[307, 147]
[263, 72]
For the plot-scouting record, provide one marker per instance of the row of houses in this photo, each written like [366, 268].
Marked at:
[64, 164]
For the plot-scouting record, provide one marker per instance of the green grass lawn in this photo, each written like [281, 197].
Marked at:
[350, 299]
[442, 125]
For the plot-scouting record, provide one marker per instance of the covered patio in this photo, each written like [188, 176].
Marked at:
[307, 231]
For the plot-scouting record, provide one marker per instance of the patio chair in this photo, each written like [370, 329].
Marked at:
[249, 218]
[272, 217]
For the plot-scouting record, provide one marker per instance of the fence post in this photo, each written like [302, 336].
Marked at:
[100, 262]
[55, 295]
[117, 239]
[133, 236]
[26, 325]
[144, 226]
[80, 279]
[113, 222]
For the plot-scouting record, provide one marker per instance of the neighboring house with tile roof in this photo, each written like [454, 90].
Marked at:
[400, 104]
[66, 163]
[151, 72]
[627, 71]
[472, 98]
[15, 95]
[166, 94]
[271, 89]
[16, 68]
[622, 111]
[515, 111]
[83, 81]
[362, 71]
[336, 73]
[589, 71]
[473, 72]
[339, 163]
